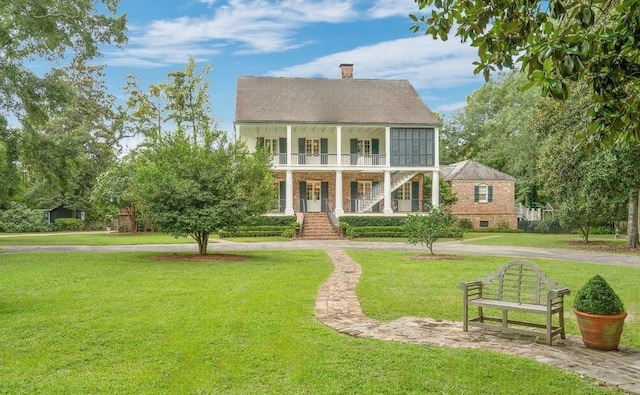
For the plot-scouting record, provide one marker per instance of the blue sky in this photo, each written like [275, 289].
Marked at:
[289, 38]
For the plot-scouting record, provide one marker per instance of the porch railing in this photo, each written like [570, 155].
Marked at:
[333, 219]
[346, 160]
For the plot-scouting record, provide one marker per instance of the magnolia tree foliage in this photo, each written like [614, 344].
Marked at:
[426, 229]
[556, 43]
[190, 179]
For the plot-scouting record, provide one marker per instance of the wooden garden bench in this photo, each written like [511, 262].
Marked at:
[518, 286]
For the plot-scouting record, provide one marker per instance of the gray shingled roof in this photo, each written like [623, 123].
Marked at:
[470, 170]
[337, 101]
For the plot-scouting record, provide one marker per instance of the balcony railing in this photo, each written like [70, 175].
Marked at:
[346, 160]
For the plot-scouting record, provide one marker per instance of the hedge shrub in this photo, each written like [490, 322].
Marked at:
[72, 224]
[264, 226]
[18, 218]
[278, 220]
[373, 220]
[374, 231]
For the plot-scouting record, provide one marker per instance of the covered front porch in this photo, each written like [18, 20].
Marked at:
[386, 192]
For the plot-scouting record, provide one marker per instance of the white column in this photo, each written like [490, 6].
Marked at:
[339, 147]
[435, 189]
[288, 146]
[339, 209]
[289, 194]
[387, 193]
[387, 146]
[435, 179]
[436, 147]
[237, 133]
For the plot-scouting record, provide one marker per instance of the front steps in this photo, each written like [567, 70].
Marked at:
[318, 227]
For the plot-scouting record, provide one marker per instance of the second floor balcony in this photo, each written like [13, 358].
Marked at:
[341, 160]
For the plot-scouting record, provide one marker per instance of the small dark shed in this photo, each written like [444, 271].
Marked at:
[52, 214]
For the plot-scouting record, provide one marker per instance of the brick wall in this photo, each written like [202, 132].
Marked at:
[501, 210]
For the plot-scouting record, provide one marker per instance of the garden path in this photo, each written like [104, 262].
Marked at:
[337, 306]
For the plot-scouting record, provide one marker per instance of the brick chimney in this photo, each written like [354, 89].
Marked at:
[346, 71]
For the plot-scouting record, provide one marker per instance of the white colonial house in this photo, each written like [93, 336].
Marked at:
[342, 145]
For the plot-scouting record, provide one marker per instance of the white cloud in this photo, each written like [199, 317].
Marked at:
[450, 107]
[426, 63]
[250, 26]
[389, 8]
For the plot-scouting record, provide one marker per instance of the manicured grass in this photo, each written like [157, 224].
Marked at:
[535, 239]
[125, 323]
[103, 239]
[94, 239]
[394, 285]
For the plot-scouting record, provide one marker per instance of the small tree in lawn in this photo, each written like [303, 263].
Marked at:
[191, 180]
[426, 229]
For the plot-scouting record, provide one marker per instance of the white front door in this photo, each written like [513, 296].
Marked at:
[313, 197]
[404, 197]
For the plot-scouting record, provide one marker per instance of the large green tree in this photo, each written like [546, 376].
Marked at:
[49, 31]
[190, 179]
[64, 156]
[589, 189]
[492, 128]
[556, 43]
[35, 106]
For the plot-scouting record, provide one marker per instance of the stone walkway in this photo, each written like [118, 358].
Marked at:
[337, 306]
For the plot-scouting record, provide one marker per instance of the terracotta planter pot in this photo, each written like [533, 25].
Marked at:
[601, 332]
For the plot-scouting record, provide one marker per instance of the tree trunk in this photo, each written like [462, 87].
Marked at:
[632, 220]
[203, 240]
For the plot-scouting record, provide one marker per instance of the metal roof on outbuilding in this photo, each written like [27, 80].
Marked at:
[470, 170]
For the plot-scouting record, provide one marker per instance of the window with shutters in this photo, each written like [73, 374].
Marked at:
[483, 193]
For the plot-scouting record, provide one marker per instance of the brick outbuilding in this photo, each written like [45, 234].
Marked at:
[486, 196]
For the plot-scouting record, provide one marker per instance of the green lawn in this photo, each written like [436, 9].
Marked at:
[534, 239]
[125, 323]
[395, 285]
[103, 239]
[93, 239]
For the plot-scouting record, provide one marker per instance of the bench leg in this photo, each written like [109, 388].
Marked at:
[549, 321]
[465, 314]
[505, 319]
[561, 322]
[480, 315]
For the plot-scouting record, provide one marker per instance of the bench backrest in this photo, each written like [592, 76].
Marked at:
[518, 281]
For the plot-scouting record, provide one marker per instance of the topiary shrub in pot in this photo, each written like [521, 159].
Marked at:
[600, 314]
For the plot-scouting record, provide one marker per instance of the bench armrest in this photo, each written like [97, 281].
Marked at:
[465, 285]
[560, 292]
